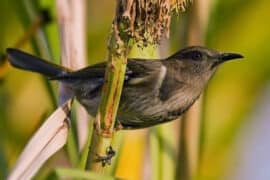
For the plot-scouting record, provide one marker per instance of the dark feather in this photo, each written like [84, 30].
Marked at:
[26, 61]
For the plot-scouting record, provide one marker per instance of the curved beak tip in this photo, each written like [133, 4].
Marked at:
[230, 56]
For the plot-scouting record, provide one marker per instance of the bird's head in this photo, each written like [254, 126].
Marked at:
[197, 63]
[201, 60]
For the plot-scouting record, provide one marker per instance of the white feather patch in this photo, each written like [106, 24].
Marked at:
[161, 76]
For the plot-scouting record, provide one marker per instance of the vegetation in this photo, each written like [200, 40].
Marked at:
[27, 99]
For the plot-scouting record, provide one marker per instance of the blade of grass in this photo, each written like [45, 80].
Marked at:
[71, 18]
[72, 143]
[62, 173]
[48, 139]
[83, 158]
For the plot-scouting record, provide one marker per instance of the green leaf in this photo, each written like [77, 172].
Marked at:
[61, 173]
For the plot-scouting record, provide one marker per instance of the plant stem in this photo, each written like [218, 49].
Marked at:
[104, 123]
[105, 118]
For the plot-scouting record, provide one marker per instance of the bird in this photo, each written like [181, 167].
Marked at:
[155, 91]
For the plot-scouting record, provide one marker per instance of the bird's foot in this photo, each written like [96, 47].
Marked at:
[107, 159]
[118, 126]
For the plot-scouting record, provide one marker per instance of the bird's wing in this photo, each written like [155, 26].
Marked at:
[137, 71]
[95, 71]
[141, 71]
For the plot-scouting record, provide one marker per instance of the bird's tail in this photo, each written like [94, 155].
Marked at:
[26, 61]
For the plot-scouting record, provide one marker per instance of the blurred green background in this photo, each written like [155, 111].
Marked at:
[233, 98]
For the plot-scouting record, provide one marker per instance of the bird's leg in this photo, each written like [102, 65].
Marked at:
[97, 124]
[107, 159]
[118, 126]
[110, 153]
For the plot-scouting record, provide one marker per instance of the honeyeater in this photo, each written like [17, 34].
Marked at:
[154, 91]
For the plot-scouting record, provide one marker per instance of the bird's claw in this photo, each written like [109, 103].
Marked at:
[118, 126]
[107, 159]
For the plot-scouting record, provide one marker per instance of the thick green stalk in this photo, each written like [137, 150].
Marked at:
[111, 93]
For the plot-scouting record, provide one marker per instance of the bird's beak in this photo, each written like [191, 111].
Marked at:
[225, 57]
[229, 56]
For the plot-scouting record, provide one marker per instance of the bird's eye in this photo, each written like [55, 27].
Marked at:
[196, 55]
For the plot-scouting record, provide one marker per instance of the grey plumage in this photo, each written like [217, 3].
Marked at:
[155, 91]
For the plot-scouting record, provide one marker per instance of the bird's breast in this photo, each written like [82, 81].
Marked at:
[141, 107]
